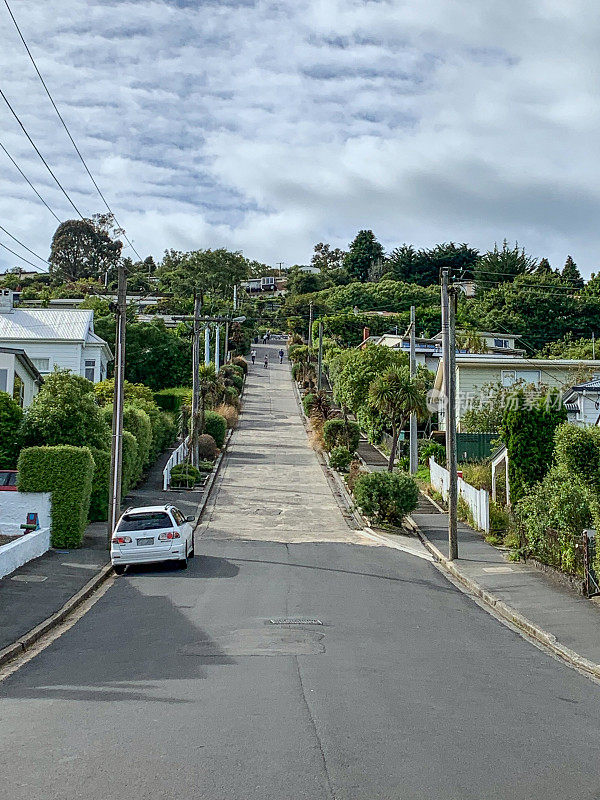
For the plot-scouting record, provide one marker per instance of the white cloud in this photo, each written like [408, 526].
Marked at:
[268, 127]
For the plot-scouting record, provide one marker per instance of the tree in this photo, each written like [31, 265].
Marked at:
[65, 412]
[571, 274]
[10, 420]
[327, 259]
[397, 395]
[485, 411]
[544, 268]
[568, 347]
[84, 248]
[203, 273]
[301, 282]
[423, 267]
[353, 371]
[364, 252]
[500, 266]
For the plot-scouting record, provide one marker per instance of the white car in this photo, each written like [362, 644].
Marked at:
[152, 533]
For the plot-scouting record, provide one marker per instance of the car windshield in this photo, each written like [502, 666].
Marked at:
[145, 521]
[8, 478]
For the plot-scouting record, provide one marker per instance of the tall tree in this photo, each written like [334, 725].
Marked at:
[543, 268]
[326, 258]
[423, 266]
[206, 273]
[363, 254]
[502, 265]
[85, 248]
[571, 274]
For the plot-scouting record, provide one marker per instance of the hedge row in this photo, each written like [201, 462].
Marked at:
[67, 473]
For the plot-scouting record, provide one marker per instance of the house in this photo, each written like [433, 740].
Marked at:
[474, 371]
[52, 337]
[493, 343]
[18, 376]
[583, 402]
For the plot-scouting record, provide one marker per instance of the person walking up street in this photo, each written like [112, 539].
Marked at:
[266, 362]
[281, 354]
[253, 356]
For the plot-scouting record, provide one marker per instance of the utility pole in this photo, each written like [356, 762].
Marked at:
[593, 346]
[449, 356]
[413, 454]
[207, 344]
[320, 366]
[116, 454]
[217, 347]
[235, 298]
[226, 356]
[195, 382]
[310, 322]
[280, 265]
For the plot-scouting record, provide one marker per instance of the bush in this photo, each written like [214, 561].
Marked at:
[340, 459]
[236, 381]
[355, 472]
[100, 486]
[67, 473]
[478, 474]
[296, 371]
[386, 496]
[105, 392]
[239, 361]
[577, 451]
[171, 399]
[428, 448]
[206, 466]
[229, 413]
[185, 475]
[11, 416]
[130, 461]
[207, 447]
[337, 433]
[307, 402]
[216, 426]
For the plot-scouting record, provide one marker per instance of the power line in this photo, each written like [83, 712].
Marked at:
[30, 183]
[35, 266]
[67, 129]
[35, 147]
[24, 246]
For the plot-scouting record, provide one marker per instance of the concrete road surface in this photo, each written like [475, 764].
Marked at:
[176, 684]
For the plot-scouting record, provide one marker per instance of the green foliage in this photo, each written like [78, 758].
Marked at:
[568, 347]
[386, 496]
[577, 451]
[171, 399]
[353, 371]
[105, 392]
[202, 273]
[137, 422]
[528, 433]
[307, 402]
[571, 275]
[338, 433]
[363, 253]
[216, 426]
[130, 461]
[423, 266]
[340, 459]
[207, 447]
[296, 371]
[67, 473]
[240, 361]
[83, 248]
[428, 448]
[486, 411]
[65, 412]
[100, 486]
[185, 475]
[11, 416]
[501, 266]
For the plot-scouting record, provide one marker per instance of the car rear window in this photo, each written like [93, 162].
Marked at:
[148, 521]
[8, 478]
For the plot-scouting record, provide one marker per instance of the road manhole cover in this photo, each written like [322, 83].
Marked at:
[295, 621]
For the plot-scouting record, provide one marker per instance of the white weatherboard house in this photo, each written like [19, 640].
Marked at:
[18, 376]
[583, 402]
[51, 337]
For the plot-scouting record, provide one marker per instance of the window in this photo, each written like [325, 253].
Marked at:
[511, 376]
[18, 391]
[3, 380]
[148, 521]
[179, 518]
[90, 370]
[501, 343]
[41, 364]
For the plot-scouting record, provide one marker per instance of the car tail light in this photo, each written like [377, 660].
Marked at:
[165, 537]
[121, 540]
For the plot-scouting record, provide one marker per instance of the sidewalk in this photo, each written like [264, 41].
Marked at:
[39, 589]
[534, 601]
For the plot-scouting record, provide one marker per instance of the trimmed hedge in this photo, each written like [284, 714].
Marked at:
[101, 478]
[207, 447]
[216, 426]
[386, 496]
[240, 361]
[307, 402]
[185, 475]
[10, 419]
[336, 435]
[137, 422]
[340, 459]
[130, 458]
[67, 473]
[171, 399]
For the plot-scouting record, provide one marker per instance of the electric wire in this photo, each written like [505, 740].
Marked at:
[24, 246]
[30, 183]
[35, 266]
[77, 150]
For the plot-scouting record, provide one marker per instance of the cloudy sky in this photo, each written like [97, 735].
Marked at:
[269, 126]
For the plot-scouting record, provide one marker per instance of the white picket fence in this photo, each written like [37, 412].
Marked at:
[178, 456]
[478, 500]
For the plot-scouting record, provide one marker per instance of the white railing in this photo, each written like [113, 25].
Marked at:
[178, 456]
[478, 500]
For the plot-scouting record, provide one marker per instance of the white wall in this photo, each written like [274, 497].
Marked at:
[66, 355]
[14, 554]
[11, 364]
[14, 507]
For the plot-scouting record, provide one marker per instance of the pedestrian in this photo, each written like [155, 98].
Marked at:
[266, 362]
[265, 338]
[253, 356]
[281, 354]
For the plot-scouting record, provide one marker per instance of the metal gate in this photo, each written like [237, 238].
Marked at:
[592, 582]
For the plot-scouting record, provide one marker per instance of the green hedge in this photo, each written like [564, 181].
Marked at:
[171, 399]
[67, 473]
[386, 496]
[100, 481]
[10, 419]
[307, 402]
[340, 459]
[137, 422]
[336, 433]
[216, 426]
[130, 460]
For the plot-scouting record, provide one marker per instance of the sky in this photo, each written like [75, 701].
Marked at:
[269, 126]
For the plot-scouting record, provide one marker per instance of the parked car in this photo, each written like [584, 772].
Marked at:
[152, 533]
[8, 480]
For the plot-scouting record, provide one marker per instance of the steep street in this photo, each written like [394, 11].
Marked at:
[177, 684]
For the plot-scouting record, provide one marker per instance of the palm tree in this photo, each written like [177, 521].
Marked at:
[397, 395]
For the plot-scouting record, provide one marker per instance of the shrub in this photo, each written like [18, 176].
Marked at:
[340, 459]
[355, 472]
[207, 447]
[105, 392]
[11, 416]
[337, 433]
[428, 448]
[235, 380]
[577, 451]
[216, 426]
[206, 466]
[67, 473]
[239, 361]
[386, 496]
[229, 414]
[296, 371]
[171, 399]
[478, 474]
[185, 475]
[130, 461]
[100, 486]
[307, 402]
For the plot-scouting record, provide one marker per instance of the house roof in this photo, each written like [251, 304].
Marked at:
[513, 362]
[46, 323]
[27, 363]
[589, 386]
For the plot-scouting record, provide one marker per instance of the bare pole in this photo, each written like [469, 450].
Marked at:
[226, 356]
[116, 454]
[593, 346]
[195, 382]
[206, 344]
[217, 347]
[310, 324]
[414, 460]
[320, 366]
[449, 362]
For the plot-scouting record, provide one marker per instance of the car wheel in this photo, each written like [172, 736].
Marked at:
[119, 568]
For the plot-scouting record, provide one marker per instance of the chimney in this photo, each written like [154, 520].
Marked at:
[6, 301]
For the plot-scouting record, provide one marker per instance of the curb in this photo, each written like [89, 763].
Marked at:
[24, 642]
[507, 613]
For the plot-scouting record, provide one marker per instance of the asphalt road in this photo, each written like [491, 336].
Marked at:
[177, 685]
